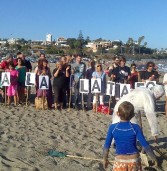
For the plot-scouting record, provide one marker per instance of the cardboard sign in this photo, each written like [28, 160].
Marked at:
[5, 79]
[84, 86]
[30, 79]
[110, 91]
[124, 89]
[150, 84]
[44, 82]
[96, 85]
[140, 84]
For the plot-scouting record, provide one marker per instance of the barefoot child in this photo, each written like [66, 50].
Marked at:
[125, 135]
[12, 89]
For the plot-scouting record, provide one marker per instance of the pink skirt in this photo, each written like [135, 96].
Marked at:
[12, 90]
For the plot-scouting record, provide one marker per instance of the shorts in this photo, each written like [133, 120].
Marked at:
[12, 90]
[130, 164]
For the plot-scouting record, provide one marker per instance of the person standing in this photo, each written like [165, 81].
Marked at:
[78, 68]
[125, 135]
[99, 73]
[165, 86]
[43, 69]
[134, 76]
[88, 76]
[12, 89]
[150, 74]
[21, 80]
[66, 90]
[59, 81]
[120, 75]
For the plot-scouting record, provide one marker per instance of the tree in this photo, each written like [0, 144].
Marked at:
[71, 42]
[140, 39]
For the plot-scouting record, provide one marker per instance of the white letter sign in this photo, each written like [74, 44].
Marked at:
[96, 85]
[110, 91]
[30, 79]
[5, 79]
[84, 86]
[124, 89]
[43, 82]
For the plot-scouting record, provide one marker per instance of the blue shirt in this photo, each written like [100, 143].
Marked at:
[125, 135]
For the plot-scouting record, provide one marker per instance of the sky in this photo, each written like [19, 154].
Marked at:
[106, 19]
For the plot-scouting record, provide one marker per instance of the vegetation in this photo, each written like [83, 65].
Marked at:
[132, 48]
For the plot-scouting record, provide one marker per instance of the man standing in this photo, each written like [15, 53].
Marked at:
[120, 74]
[26, 62]
[143, 99]
[88, 76]
[78, 68]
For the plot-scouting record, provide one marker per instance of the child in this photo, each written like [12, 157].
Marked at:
[125, 135]
[12, 89]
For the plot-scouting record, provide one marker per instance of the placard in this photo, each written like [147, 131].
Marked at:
[95, 85]
[44, 82]
[30, 79]
[84, 86]
[5, 79]
[110, 90]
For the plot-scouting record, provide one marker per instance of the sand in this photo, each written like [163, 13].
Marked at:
[26, 135]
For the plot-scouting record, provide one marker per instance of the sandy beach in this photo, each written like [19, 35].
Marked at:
[27, 134]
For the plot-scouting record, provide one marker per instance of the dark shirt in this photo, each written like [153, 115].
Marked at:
[145, 75]
[59, 81]
[89, 73]
[121, 74]
[27, 64]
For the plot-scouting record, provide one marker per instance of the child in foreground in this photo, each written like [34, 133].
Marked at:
[125, 135]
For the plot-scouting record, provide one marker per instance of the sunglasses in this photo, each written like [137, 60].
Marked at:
[150, 66]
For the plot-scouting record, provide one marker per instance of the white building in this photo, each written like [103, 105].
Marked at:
[49, 38]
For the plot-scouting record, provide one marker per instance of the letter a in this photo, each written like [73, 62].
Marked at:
[43, 83]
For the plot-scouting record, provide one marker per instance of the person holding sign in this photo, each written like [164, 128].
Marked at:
[88, 76]
[78, 68]
[12, 89]
[42, 69]
[143, 99]
[125, 135]
[59, 84]
[150, 74]
[99, 73]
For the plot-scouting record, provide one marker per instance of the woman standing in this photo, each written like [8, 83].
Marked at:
[43, 69]
[59, 83]
[99, 73]
[21, 80]
[134, 76]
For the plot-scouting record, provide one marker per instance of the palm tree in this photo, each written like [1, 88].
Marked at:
[140, 39]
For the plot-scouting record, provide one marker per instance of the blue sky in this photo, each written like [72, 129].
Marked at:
[108, 19]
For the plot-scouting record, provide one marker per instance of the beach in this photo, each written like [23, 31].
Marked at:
[27, 134]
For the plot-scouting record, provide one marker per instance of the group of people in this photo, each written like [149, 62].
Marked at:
[65, 78]
[64, 81]
[17, 69]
